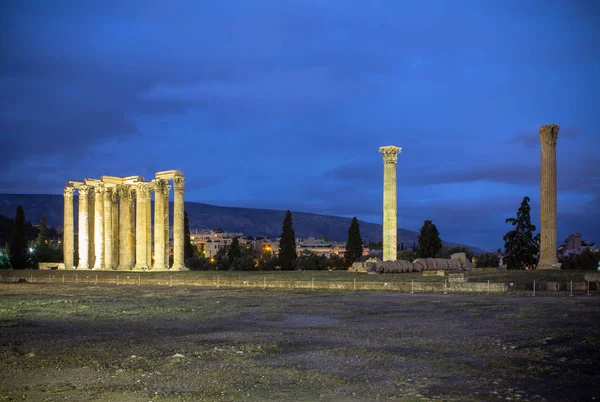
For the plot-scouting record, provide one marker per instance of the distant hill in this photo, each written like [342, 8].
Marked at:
[250, 221]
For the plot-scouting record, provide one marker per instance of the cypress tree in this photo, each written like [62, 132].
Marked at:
[234, 251]
[429, 241]
[354, 248]
[520, 245]
[18, 241]
[287, 244]
[188, 249]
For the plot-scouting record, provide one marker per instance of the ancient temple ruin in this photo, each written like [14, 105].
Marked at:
[114, 228]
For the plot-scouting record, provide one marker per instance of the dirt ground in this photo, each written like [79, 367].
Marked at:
[134, 343]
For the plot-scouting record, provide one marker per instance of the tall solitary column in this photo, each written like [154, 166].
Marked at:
[124, 223]
[390, 206]
[131, 227]
[141, 241]
[178, 225]
[83, 228]
[99, 192]
[160, 188]
[91, 240]
[108, 229]
[548, 137]
[68, 229]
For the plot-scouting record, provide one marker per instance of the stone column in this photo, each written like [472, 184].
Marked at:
[148, 202]
[178, 224]
[115, 228]
[68, 229]
[141, 240]
[91, 218]
[99, 192]
[160, 188]
[83, 228]
[167, 228]
[124, 227]
[390, 206]
[108, 229]
[131, 226]
[548, 137]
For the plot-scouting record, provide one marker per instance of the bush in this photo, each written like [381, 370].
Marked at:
[587, 260]
[243, 263]
[198, 264]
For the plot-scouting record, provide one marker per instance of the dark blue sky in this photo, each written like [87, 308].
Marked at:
[283, 104]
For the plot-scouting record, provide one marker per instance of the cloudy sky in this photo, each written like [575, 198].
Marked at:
[283, 104]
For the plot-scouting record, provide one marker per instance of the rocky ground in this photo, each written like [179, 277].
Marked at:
[137, 343]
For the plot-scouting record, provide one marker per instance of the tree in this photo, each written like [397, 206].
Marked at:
[406, 255]
[429, 241]
[234, 251]
[287, 244]
[520, 245]
[18, 241]
[188, 249]
[354, 248]
[487, 260]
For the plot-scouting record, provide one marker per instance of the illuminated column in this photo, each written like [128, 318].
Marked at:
[160, 188]
[115, 228]
[131, 227]
[141, 243]
[148, 202]
[91, 240]
[99, 192]
[390, 205]
[83, 228]
[108, 229]
[167, 228]
[548, 137]
[178, 224]
[124, 227]
[68, 229]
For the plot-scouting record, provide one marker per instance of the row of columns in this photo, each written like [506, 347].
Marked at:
[115, 226]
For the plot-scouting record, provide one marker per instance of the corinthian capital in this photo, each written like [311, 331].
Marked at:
[160, 186]
[84, 190]
[179, 182]
[99, 188]
[143, 189]
[390, 153]
[549, 134]
[68, 192]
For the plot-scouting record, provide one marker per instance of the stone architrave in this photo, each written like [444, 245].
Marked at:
[108, 229]
[99, 191]
[141, 241]
[178, 224]
[548, 137]
[68, 229]
[167, 228]
[83, 228]
[160, 188]
[124, 227]
[115, 228]
[390, 206]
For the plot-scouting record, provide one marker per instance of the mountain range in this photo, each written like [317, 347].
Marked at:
[249, 221]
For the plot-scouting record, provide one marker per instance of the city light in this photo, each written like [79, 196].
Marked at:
[31, 250]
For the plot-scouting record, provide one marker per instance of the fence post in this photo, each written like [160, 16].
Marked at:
[63, 278]
[313, 283]
[218, 282]
[95, 283]
[533, 288]
[31, 277]
[488, 289]
[171, 280]
[139, 279]
[75, 278]
[445, 286]
[49, 278]
[571, 288]
[588, 293]
[117, 279]
[265, 281]
[354, 283]
[412, 286]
